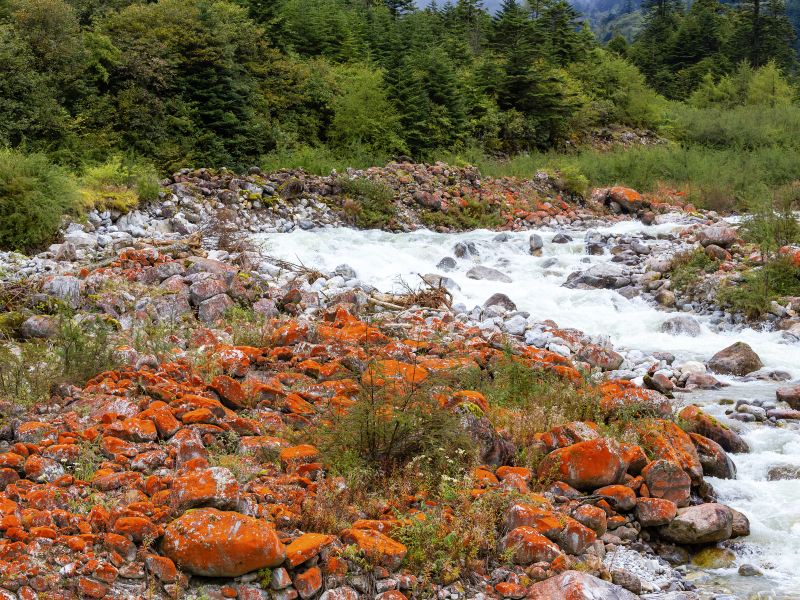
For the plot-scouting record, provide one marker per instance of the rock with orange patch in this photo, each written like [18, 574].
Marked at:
[620, 497]
[230, 391]
[213, 543]
[665, 440]
[652, 512]
[382, 372]
[298, 455]
[471, 397]
[529, 546]
[665, 479]
[308, 582]
[592, 517]
[377, 547]
[707, 426]
[577, 585]
[585, 465]
[290, 334]
[306, 546]
[215, 487]
[629, 200]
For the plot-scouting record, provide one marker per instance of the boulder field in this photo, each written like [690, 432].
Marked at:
[200, 466]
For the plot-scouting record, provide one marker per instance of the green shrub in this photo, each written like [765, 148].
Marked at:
[753, 295]
[34, 196]
[119, 184]
[391, 430]
[475, 215]
[368, 203]
[320, 160]
[686, 268]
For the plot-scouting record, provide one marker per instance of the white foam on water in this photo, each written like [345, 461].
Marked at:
[773, 507]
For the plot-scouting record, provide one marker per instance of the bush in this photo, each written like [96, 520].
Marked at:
[686, 268]
[34, 196]
[119, 184]
[368, 204]
[322, 160]
[474, 215]
[390, 430]
[753, 295]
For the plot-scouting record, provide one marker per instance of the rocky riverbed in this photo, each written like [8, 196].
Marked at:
[194, 467]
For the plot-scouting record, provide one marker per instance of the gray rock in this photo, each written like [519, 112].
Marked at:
[577, 585]
[500, 300]
[501, 237]
[463, 249]
[516, 325]
[488, 274]
[603, 275]
[39, 326]
[64, 287]
[737, 359]
[448, 263]
[345, 271]
[536, 243]
[435, 280]
[561, 238]
[206, 288]
[717, 235]
[702, 524]
[748, 570]
[214, 308]
[681, 325]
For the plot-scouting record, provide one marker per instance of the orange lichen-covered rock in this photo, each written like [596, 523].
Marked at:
[469, 396]
[308, 582]
[707, 426]
[652, 512]
[577, 585]
[529, 546]
[665, 440]
[665, 479]
[230, 391]
[377, 547]
[298, 455]
[214, 487]
[620, 497]
[306, 546]
[382, 372]
[214, 543]
[585, 465]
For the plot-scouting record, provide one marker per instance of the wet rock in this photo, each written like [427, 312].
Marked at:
[447, 264]
[702, 524]
[741, 524]
[577, 585]
[782, 472]
[603, 275]
[561, 238]
[488, 274]
[714, 558]
[681, 325]
[500, 300]
[737, 359]
[707, 426]
[715, 461]
[748, 570]
[789, 394]
[464, 249]
[665, 298]
[214, 543]
[535, 244]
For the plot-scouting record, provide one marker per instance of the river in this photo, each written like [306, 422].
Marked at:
[384, 259]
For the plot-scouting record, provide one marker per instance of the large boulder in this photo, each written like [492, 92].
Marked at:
[717, 235]
[602, 275]
[213, 543]
[215, 487]
[715, 461]
[681, 325]
[789, 394]
[666, 480]
[702, 524]
[603, 358]
[488, 274]
[737, 359]
[700, 422]
[586, 465]
[577, 585]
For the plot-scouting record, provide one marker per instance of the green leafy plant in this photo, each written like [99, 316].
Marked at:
[367, 203]
[34, 196]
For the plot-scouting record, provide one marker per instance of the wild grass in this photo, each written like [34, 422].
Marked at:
[687, 267]
[367, 203]
[321, 160]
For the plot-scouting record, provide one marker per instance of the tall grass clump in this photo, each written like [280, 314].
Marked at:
[119, 184]
[34, 196]
[322, 160]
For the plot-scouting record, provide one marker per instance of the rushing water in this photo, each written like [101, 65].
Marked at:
[385, 259]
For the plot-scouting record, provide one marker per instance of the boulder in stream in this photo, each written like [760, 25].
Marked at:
[737, 359]
[702, 524]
